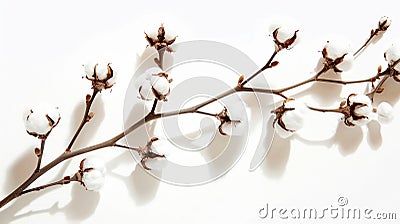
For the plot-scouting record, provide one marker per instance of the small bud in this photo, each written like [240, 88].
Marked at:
[384, 23]
[38, 152]
[385, 113]
[392, 56]
[240, 80]
[90, 116]
[40, 120]
[359, 110]
[88, 97]
[274, 63]
[93, 173]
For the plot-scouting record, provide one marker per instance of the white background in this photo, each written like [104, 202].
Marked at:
[44, 43]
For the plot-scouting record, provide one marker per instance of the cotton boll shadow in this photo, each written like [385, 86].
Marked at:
[276, 160]
[142, 186]
[374, 137]
[90, 129]
[347, 138]
[83, 203]
[21, 169]
[390, 94]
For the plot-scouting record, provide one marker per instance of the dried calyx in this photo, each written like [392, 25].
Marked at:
[284, 37]
[357, 110]
[289, 117]
[160, 41]
[226, 123]
[146, 153]
[337, 56]
[101, 75]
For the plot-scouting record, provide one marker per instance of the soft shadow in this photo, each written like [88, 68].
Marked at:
[391, 93]
[348, 139]
[21, 169]
[276, 160]
[90, 129]
[83, 203]
[374, 137]
[142, 186]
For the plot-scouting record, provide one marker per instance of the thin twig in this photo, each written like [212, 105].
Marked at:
[39, 161]
[266, 66]
[85, 118]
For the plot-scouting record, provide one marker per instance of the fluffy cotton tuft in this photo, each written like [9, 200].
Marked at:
[336, 49]
[362, 112]
[392, 55]
[154, 85]
[40, 120]
[385, 113]
[292, 119]
[160, 85]
[93, 170]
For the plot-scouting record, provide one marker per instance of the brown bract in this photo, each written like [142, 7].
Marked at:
[100, 84]
[160, 41]
[224, 118]
[279, 112]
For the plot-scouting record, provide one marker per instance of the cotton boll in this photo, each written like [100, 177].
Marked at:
[336, 48]
[385, 113]
[41, 119]
[93, 180]
[392, 55]
[361, 109]
[161, 85]
[384, 23]
[291, 115]
[93, 173]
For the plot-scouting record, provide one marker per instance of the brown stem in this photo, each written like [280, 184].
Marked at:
[39, 161]
[338, 110]
[63, 181]
[378, 87]
[373, 34]
[266, 66]
[85, 119]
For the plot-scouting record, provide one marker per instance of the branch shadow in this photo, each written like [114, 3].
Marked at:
[21, 169]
